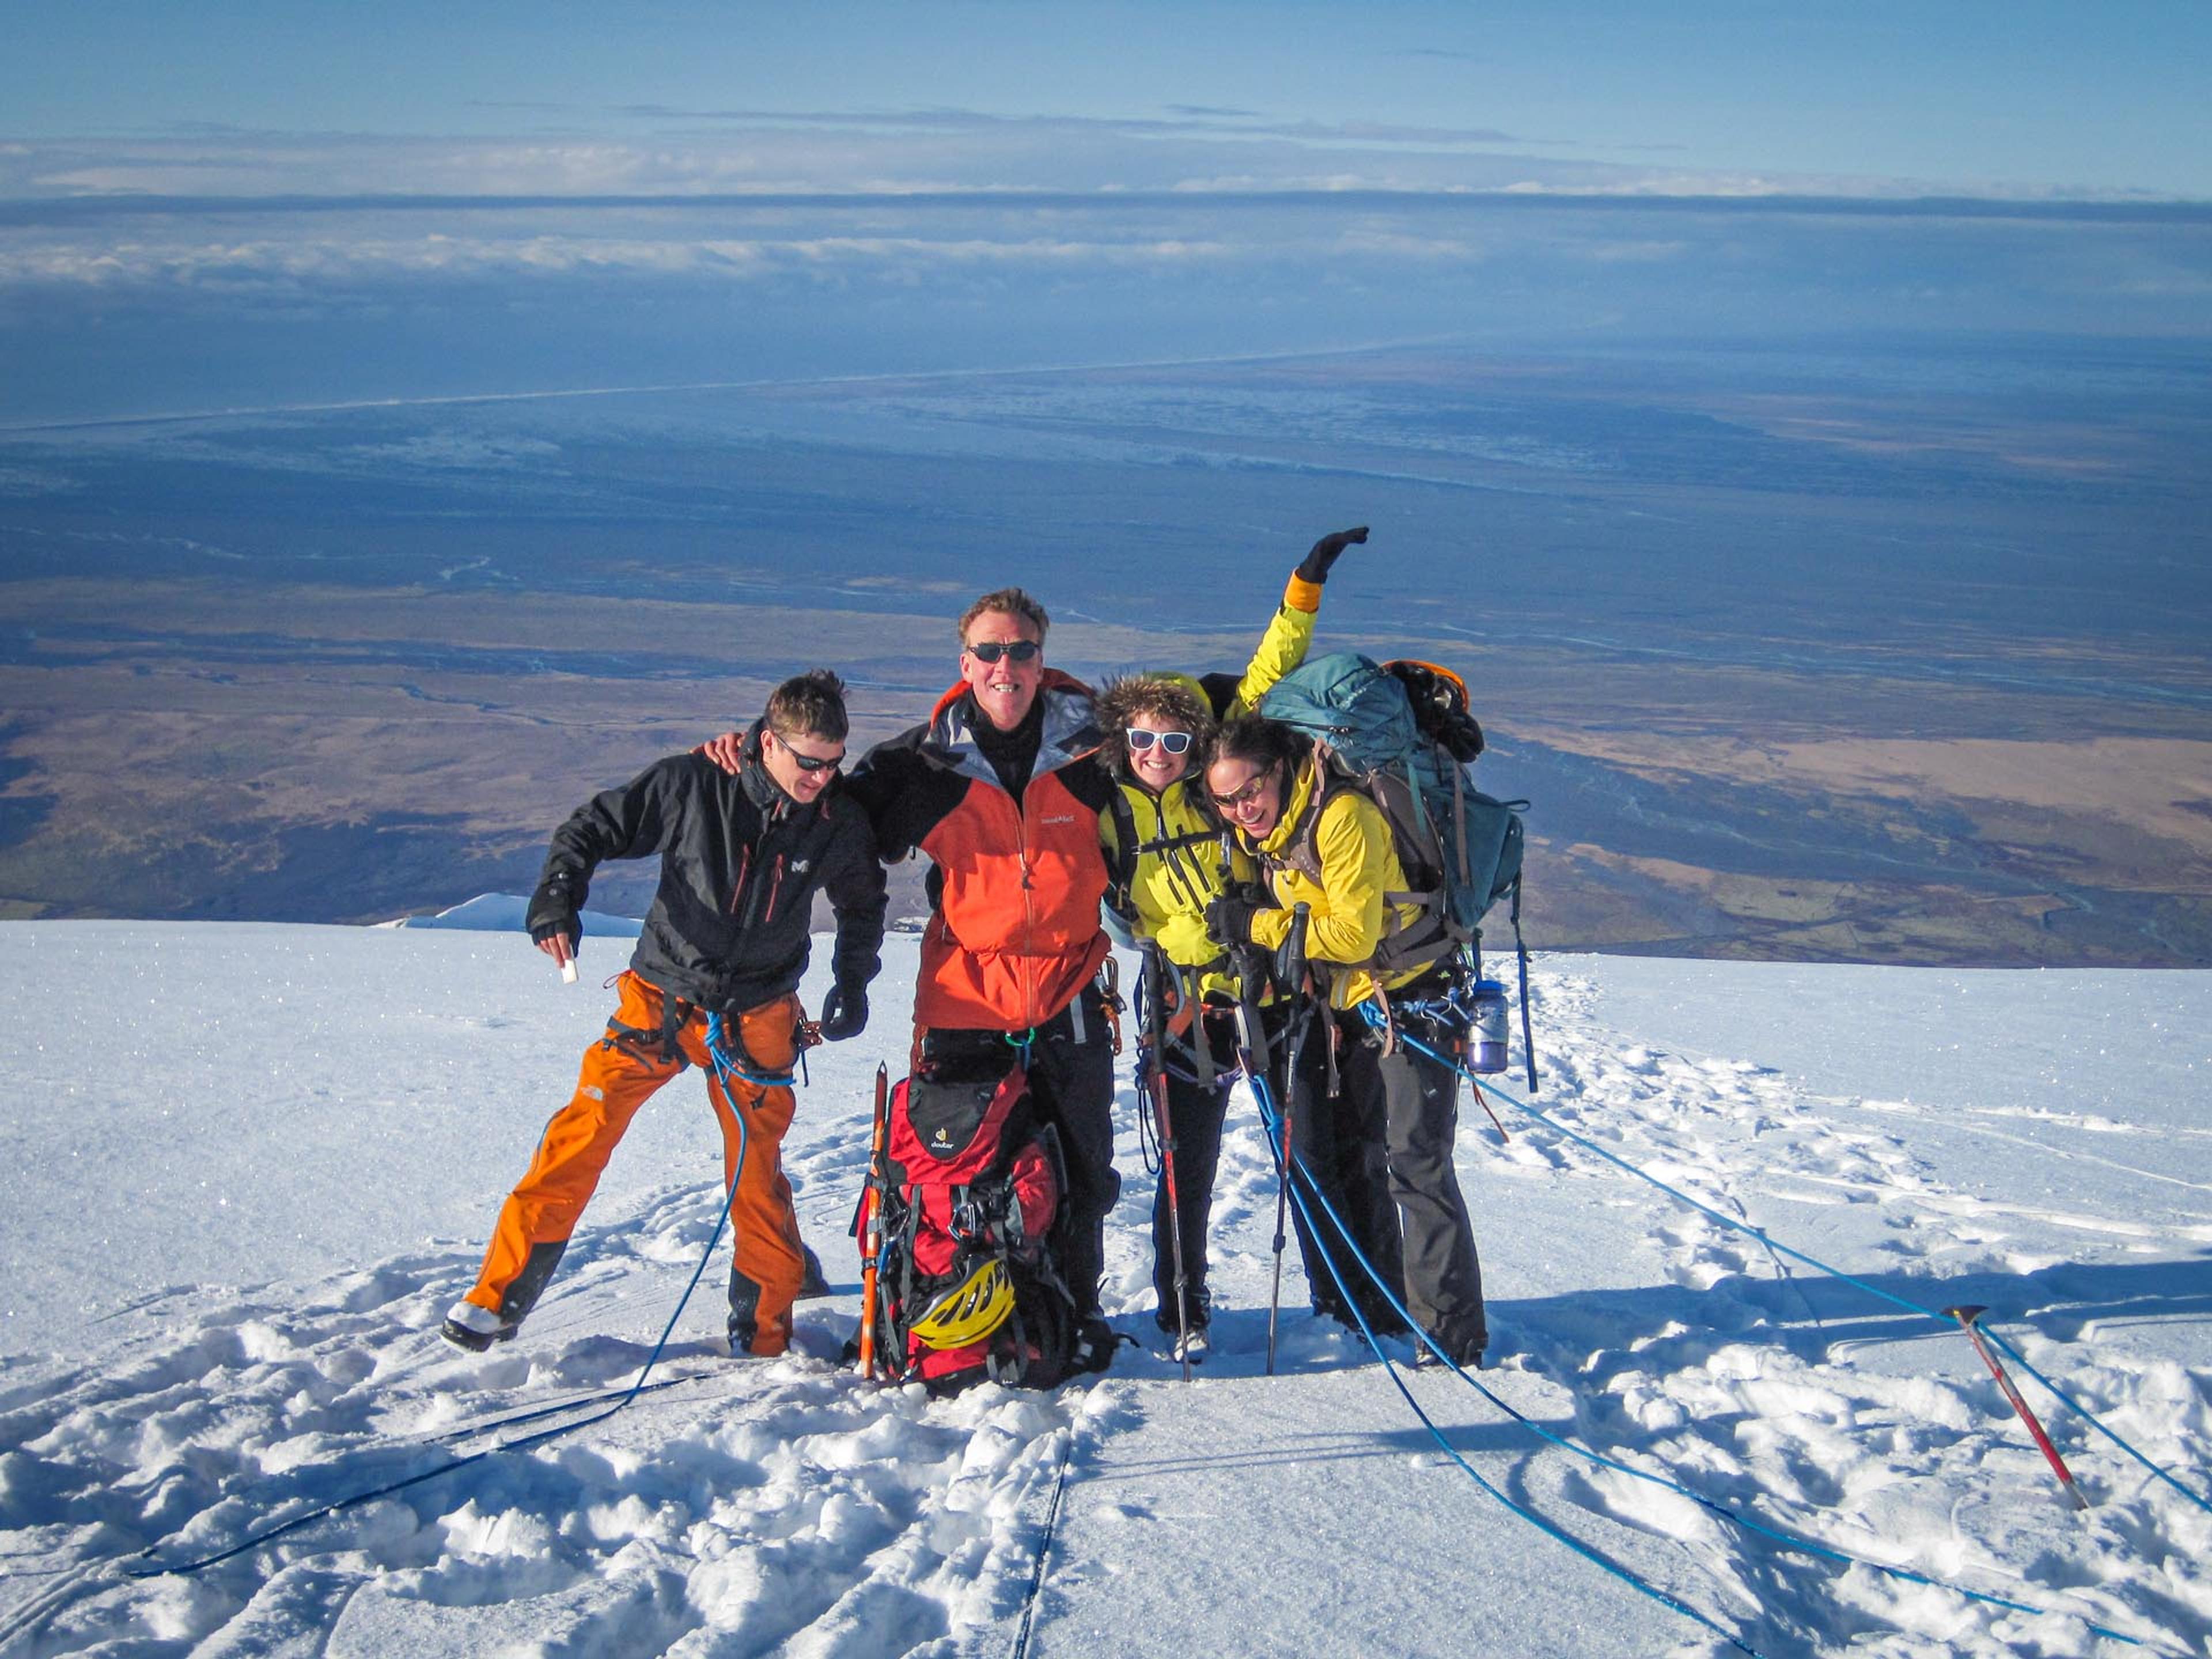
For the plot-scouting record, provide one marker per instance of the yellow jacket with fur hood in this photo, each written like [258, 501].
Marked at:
[1177, 869]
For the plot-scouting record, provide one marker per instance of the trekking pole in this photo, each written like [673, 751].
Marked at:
[1155, 1064]
[1294, 974]
[871, 1225]
[1967, 1316]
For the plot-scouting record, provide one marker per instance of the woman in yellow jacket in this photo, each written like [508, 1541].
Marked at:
[1380, 1145]
[1163, 855]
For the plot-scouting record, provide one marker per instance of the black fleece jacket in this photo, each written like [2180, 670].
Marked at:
[740, 862]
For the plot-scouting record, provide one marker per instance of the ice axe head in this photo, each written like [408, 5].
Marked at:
[1966, 1313]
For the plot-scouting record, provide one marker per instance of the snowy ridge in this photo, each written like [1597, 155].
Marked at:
[508, 912]
[760, 1507]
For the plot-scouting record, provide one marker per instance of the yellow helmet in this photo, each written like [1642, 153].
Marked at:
[970, 1311]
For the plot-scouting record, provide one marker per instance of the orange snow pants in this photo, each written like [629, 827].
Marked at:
[619, 1073]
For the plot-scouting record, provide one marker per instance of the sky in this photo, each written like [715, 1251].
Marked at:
[1722, 94]
[238, 204]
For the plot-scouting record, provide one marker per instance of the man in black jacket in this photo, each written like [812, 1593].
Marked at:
[713, 983]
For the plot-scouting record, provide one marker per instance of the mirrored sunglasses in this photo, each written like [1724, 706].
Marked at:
[992, 650]
[1142, 738]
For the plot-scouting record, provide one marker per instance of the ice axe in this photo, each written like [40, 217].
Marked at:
[1967, 1316]
[871, 1225]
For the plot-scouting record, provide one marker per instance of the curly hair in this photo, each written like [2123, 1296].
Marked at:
[1168, 698]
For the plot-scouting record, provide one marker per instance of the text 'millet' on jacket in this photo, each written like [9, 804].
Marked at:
[1015, 888]
[740, 862]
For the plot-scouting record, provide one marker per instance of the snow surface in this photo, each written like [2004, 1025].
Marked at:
[249, 1166]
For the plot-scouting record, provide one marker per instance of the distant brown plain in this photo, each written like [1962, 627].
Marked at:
[307, 779]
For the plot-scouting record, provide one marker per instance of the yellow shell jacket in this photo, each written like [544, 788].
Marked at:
[1174, 879]
[1345, 903]
[1170, 887]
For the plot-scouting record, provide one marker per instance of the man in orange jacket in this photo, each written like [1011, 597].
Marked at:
[1001, 789]
[713, 984]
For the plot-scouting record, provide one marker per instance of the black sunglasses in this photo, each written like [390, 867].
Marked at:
[1143, 738]
[992, 650]
[809, 762]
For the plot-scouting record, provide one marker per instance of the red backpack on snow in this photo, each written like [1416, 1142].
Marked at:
[968, 1285]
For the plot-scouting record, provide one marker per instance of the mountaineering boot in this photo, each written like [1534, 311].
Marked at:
[1095, 1342]
[467, 1326]
[1467, 1357]
[1201, 1312]
[750, 1339]
[816, 1283]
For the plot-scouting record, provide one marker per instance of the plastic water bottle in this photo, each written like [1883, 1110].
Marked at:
[1489, 1027]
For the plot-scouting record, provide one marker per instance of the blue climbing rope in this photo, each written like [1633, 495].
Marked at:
[1774, 1245]
[1714, 1506]
[520, 1443]
[1272, 1124]
[1044, 1549]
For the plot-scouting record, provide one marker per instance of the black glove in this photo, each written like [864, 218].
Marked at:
[1229, 920]
[1313, 567]
[844, 1013]
[552, 913]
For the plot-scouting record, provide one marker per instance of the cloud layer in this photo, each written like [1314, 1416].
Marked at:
[692, 151]
[167, 272]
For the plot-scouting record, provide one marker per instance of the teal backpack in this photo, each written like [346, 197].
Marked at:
[1401, 734]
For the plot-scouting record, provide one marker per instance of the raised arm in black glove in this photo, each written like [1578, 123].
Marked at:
[844, 1013]
[1314, 566]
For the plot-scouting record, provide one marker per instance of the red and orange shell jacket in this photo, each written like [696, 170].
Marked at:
[1013, 932]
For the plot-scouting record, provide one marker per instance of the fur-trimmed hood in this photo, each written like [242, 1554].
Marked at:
[1177, 697]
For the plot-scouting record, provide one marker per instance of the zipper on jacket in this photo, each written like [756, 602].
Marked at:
[744, 869]
[1029, 907]
[775, 887]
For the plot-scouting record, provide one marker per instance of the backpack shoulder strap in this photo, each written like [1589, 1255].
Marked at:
[1121, 868]
[1301, 850]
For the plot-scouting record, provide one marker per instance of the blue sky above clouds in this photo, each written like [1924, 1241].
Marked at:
[1964, 97]
[570, 194]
